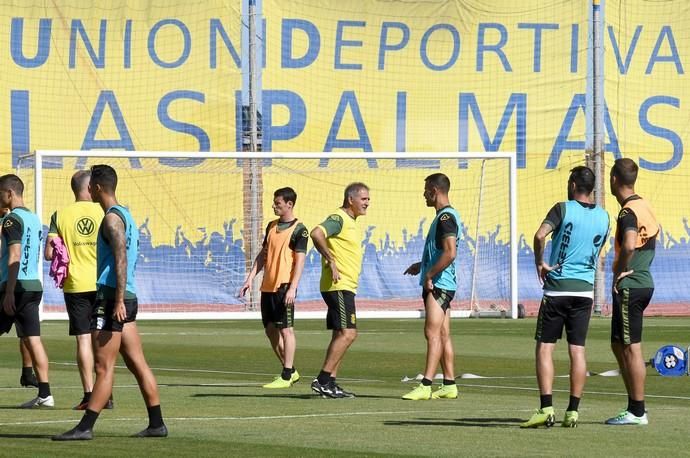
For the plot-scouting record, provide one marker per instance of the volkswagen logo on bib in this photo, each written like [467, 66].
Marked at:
[671, 361]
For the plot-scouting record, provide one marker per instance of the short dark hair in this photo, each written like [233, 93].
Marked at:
[351, 190]
[439, 181]
[583, 177]
[80, 180]
[105, 176]
[288, 194]
[625, 170]
[13, 182]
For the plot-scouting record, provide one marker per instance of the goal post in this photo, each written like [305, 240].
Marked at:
[197, 225]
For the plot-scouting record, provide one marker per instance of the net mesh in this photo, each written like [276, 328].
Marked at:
[196, 221]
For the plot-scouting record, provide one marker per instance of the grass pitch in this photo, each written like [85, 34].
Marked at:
[210, 376]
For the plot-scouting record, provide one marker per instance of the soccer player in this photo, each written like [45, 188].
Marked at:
[339, 240]
[282, 260]
[77, 226]
[439, 283]
[580, 229]
[20, 283]
[27, 377]
[633, 286]
[113, 326]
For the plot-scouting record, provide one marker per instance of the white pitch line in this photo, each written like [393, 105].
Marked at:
[255, 418]
[210, 371]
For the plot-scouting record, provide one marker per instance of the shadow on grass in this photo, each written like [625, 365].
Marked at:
[286, 396]
[470, 422]
[25, 436]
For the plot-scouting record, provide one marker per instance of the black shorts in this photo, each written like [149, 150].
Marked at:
[626, 319]
[80, 307]
[555, 312]
[26, 317]
[274, 310]
[102, 318]
[341, 309]
[441, 296]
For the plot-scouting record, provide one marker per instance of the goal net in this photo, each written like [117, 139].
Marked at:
[202, 217]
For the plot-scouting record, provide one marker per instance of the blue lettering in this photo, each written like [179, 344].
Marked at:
[314, 41]
[623, 66]
[107, 98]
[661, 132]
[348, 98]
[340, 43]
[674, 57]
[383, 41]
[562, 143]
[98, 60]
[538, 29]
[454, 54]
[183, 127]
[17, 43]
[187, 39]
[574, 47]
[294, 126]
[217, 28]
[127, 44]
[516, 103]
[497, 48]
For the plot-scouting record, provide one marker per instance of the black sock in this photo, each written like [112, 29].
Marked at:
[155, 416]
[546, 400]
[88, 420]
[426, 382]
[574, 403]
[286, 374]
[636, 408]
[630, 401]
[27, 371]
[43, 389]
[87, 396]
[448, 381]
[323, 377]
[293, 370]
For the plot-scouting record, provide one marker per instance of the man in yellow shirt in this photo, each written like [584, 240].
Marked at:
[77, 226]
[339, 240]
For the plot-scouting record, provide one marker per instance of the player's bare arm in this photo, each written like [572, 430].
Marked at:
[295, 276]
[413, 269]
[319, 238]
[621, 269]
[114, 232]
[14, 255]
[259, 263]
[539, 244]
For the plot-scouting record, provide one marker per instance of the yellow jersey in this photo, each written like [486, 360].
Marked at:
[77, 225]
[346, 247]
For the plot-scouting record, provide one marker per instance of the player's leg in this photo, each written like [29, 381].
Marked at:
[282, 323]
[268, 317]
[79, 310]
[549, 329]
[577, 326]
[433, 324]
[626, 344]
[341, 319]
[133, 354]
[448, 389]
[28, 327]
[28, 378]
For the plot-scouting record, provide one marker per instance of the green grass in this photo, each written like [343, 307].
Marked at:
[214, 405]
